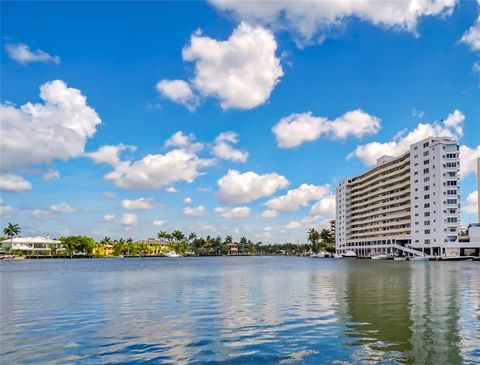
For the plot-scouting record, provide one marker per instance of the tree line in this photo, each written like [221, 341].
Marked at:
[183, 244]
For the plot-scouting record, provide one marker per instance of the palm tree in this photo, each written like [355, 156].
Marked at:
[313, 237]
[326, 236]
[192, 236]
[228, 239]
[162, 235]
[12, 230]
[106, 240]
[178, 235]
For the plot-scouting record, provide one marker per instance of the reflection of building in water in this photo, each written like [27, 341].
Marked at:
[435, 313]
[378, 307]
[413, 312]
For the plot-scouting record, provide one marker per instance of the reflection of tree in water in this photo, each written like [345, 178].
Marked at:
[378, 296]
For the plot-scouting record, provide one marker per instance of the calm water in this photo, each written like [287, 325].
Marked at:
[239, 310]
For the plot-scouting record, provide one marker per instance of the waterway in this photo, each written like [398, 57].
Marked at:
[236, 310]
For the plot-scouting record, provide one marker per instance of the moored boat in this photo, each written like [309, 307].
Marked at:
[349, 253]
[172, 254]
[419, 258]
[399, 258]
[379, 257]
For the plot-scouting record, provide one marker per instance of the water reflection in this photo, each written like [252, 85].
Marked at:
[239, 310]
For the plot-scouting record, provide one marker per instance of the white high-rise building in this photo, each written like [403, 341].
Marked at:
[408, 203]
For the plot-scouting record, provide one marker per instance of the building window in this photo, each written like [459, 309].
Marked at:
[426, 205]
[426, 162]
[427, 231]
[426, 196]
[451, 183]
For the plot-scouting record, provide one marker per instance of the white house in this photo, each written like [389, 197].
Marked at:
[32, 244]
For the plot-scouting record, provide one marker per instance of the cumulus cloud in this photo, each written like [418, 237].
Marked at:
[296, 129]
[471, 203]
[313, 21]
[50, 175]
[158, 223]
[42, 214]
[5, 211]
[108, 217]
[138, 204]
[187, 200]
[180, 139]
[109, 154]
[269, 213]
[452, 126]
[223, 148]
[472, 36]
[22, 54]
[178, 91]
[14, 183]
[52, 211]
[194, 211]
[236, 187]
[58, 128]
[160, 170]
[233, 213]
[241, 71]
[62, 208]
[171, 189]
[300, 197]
[129, 220]
[468, 159]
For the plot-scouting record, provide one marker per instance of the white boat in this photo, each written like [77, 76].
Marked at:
[379, 257]
[320, 255]
[337, 256]
[399, 258]
[349, 253]
[419, 258]
[172, 254]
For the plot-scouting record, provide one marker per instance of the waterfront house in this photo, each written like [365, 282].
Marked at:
[104, 249]
[32, 245]
[232, 248]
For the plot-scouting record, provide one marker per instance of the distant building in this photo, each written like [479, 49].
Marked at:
[232, 248]
[155, 245]
[104, 249]
[32, 245]
[404, 203]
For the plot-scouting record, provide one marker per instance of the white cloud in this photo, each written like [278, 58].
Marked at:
[468, 160]
[294, 225]
[129, 220]
[296, 129]
[62, 208]
[471, 203]
[22, 54]
[180, 139]
[109, 154]
[42, 214]
[450, 127]
[223, 148]
[157, 171]
[476, 66]
[235, 187]
[5, 210]
[109, 194]
[178, 91]
[472, 36]
[241, 71]
[268, 213]
[194, 211]
[51, 175]
[108, 217]
[158, 223]
[300, 197]
[171, 189]
[233, 213]
[138, 204]
[325, 207]
[14, 183]
[187, 200]
[58, 128]
[313, 21]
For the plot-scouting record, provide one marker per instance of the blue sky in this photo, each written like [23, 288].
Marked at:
[303, 96]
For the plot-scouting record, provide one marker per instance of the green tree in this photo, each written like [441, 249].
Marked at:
[313, 237]
[12, 230]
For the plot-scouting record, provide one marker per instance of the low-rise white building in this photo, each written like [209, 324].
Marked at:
[32, 244]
